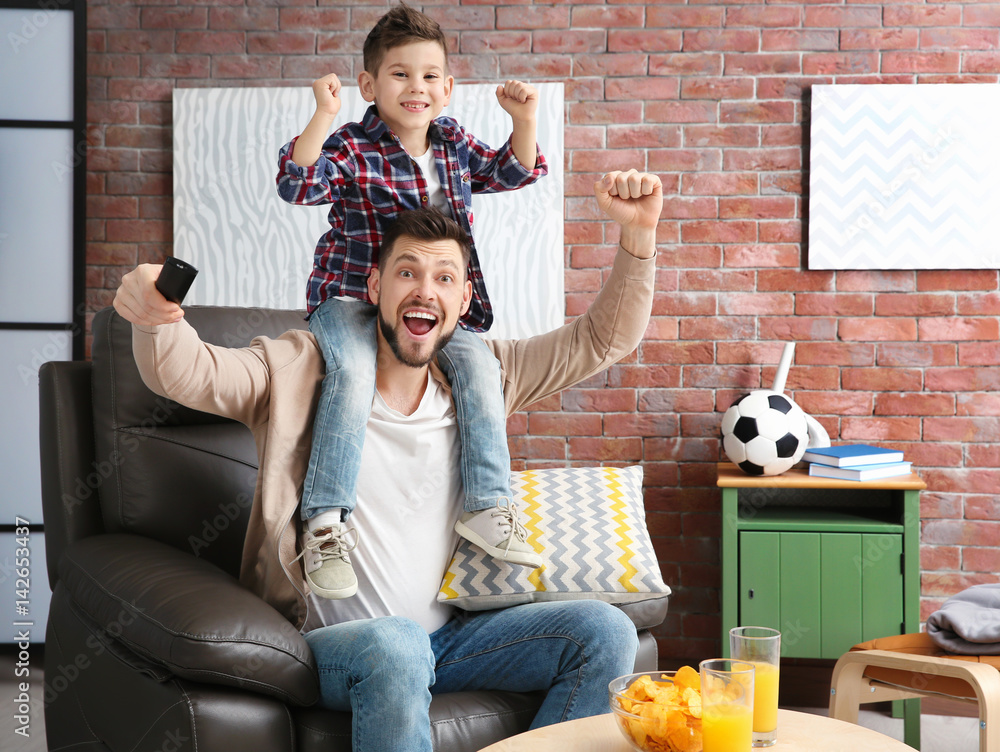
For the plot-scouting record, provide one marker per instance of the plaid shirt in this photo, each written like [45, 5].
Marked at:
[368, 178]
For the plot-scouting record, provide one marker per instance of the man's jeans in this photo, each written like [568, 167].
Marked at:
[385, 670]
[345, 332]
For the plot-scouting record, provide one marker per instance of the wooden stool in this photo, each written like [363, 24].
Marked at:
[912, 666]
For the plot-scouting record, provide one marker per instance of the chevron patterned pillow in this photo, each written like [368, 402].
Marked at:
[589, 525]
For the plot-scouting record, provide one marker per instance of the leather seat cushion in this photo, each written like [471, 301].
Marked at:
[460, 722]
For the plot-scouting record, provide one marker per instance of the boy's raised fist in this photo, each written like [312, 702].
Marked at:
[518, 99]
[327, 93]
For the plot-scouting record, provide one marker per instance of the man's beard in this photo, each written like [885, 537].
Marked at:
[405, 358]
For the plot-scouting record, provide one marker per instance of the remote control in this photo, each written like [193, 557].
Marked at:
[175, 279]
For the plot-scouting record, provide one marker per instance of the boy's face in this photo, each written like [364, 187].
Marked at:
[421, 294]
[411, 88]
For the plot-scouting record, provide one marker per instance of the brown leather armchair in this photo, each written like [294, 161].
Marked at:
[152, 644]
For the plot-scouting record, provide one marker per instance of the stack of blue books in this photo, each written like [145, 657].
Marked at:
[856, 462]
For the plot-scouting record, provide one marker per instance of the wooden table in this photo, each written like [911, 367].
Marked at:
[798, 732]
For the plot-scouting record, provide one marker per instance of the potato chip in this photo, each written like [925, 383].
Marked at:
[687, 677]
[692, 698]
[685, 739]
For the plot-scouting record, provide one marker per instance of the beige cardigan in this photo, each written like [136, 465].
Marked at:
[272, 387]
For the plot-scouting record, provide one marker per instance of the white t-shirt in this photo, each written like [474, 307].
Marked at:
[435, 193]
[409, 496]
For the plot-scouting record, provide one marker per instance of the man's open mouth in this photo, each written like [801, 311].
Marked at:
[419, 322]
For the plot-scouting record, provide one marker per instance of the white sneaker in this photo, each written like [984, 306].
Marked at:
[327, 564]
[499, 533]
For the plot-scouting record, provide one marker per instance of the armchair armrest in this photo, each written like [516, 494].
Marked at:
[66, 438]
[188, 616]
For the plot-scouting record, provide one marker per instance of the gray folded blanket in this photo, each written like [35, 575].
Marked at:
[968, 623]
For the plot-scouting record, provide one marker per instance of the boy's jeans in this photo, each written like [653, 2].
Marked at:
[385, 670]
[346, 331]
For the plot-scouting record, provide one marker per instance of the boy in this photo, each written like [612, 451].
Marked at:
[401, 157]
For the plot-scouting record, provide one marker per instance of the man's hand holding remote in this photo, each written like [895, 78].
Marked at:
[139, 302]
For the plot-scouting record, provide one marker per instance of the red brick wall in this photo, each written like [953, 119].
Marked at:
[713, 97]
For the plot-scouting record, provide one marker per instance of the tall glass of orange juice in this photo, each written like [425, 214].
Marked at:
[762, 647]
[726, 705]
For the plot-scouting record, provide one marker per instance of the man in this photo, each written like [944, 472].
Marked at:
[384, 652]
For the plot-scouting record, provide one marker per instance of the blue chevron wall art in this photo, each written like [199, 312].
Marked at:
[904, 176]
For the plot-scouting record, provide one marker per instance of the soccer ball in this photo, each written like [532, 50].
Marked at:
[764, 433]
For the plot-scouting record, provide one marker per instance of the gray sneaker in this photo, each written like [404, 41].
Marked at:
[327, 564]
[499, 533]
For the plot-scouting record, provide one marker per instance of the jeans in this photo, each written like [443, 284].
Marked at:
[346, 334]
[385, 670]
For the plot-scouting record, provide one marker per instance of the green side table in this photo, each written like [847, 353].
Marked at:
[830, 563]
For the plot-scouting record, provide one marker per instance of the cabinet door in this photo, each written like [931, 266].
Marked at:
[779, 588]
[881, 585]
[760, 563]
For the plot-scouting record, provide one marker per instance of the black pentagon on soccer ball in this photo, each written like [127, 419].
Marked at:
[738, 400]
[751, 468]
[745, 429]
[779, 403]
[787, 445]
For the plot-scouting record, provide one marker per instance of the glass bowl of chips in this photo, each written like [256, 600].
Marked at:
[659, 711]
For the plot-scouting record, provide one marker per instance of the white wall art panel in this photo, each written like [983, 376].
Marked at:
[253, 249]
[904, 177]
